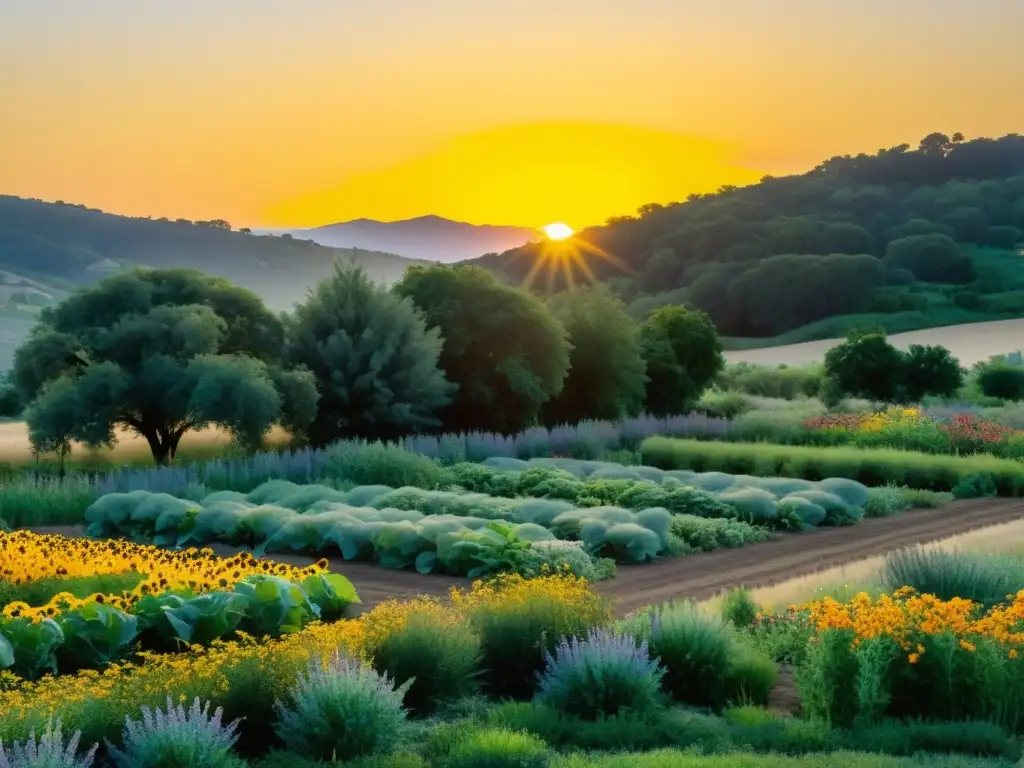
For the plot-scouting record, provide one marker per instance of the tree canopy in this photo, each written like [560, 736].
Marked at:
[683, 354]
[158, 352]
[606, 365]
[505, 351]
[866, 365]
[768, 249]
[375, 362]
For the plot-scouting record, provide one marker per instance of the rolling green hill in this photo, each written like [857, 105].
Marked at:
[47, 249]
[906, 238]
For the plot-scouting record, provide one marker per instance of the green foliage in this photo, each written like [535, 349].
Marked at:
[987, 580]
[439, 658]
[176, 738]
[497, 748]
[783, 382]
[930, 371]
[866, 365]
[381, 464]
[707, 534]
[1001, 381]
[975, 487]
[739, 609]
[706, 663]
[932, 258]
[49, 751]
[375, 362]
[606, 365]
[600, 675]
[683, 353]
[159, 353]
[872, 467]
[515, 639]
[341, 709]
[502, 348]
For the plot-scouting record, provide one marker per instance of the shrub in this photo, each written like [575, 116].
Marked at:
[177, 739]
[545, 558]
[706, 534]
[498, 748]
[885, 501]
[739, 608]
[428, 644]
[341, 709]
[381, 464]
[600, 676]
[48, 752]
[982, 579]
[705, 662]
[1002, 381]
[519, 620]
[974, 487]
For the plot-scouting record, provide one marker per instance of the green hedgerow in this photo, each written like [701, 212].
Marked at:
[382, 464]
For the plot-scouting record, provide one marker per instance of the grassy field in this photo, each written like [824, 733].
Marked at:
[16, 450]
[971, 343]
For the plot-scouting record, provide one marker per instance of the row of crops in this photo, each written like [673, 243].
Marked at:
[492, 517]
[145, 598]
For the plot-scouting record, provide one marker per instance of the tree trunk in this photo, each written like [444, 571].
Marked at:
[159, 447]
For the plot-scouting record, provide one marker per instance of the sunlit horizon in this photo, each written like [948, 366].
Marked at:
[290, 116]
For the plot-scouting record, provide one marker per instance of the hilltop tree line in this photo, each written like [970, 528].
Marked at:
[447, 349]
[851, 236]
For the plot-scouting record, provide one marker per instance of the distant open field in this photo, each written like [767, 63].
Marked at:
[16, 449]
[971, 343]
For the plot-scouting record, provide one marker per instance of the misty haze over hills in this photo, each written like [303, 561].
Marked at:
[432, 238]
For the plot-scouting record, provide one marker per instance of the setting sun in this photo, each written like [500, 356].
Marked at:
[558, 231]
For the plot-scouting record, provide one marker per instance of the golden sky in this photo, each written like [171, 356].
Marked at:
[305, 112]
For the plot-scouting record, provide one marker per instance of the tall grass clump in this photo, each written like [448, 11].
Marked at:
[600, 675]
[426, 643]
[870, 466]
[49, 751]
[341, 709]
[34, 500]
[497, 748]
[177, 738]
[520, 620]
[706, 663]
[985, 579]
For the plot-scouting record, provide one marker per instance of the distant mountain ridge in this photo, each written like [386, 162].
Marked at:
[431, 238]
[79, 245]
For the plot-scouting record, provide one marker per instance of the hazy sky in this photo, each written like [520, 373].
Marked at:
[304, 112]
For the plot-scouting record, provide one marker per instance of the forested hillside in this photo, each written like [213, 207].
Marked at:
[79, 245]
[906, 238]
[47, 249]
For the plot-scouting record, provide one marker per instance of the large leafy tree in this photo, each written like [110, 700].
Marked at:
[683, 353]
[866, 365]
[606, 365]
[506, 352]
[159, 353]
[374, 360]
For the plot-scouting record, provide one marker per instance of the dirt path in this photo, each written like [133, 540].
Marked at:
[785, 557]
[706, 575]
